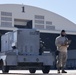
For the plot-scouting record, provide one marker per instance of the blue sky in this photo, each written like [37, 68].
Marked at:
[65, 8]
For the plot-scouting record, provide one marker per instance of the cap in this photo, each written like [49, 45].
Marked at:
[63, 31]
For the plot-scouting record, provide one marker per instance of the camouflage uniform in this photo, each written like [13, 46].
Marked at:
[62, 52]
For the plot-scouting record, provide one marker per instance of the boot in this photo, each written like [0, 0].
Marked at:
[63, 71]
[58, 70]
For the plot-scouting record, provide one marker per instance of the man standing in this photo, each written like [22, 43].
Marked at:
[62, 43]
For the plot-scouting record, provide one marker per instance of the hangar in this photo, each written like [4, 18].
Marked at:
[14, 16]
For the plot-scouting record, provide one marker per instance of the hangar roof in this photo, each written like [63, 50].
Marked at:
[30, 12]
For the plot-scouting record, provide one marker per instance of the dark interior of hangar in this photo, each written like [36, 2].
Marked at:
[49, 41]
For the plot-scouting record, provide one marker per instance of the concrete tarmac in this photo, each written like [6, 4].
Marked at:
[38, 72]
